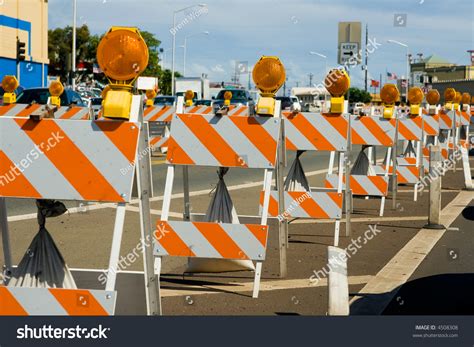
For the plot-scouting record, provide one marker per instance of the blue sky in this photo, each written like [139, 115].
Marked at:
[244, 30]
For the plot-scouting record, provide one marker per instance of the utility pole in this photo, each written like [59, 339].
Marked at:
[310, 79]
[366, 55]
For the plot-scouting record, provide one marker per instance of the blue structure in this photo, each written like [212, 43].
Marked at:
[31, 74]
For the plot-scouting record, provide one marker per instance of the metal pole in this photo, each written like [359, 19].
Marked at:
[434, 215]
[394, 165]
[408, 75]
[73, 82]
[366, 55]
[5, 236]
[172, 52]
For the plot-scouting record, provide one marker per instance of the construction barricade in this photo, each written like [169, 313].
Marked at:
[312, 132]
[464, 145]
[104, 158]
[369, 131]
[63, 112]
[225, 142]
[159, 121]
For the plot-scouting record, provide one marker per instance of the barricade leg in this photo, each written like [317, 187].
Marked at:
[167, 194]
[387, 169]
[283, 223]
[5, 235]
[466, 168]
[187, 211]
[152, 288]
[331, 162]
[256, 282]
[434, 221]
[115, 250]
[338, 286]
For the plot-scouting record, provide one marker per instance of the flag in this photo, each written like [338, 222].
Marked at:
[96, 69]
[374, 83]
[391, 76]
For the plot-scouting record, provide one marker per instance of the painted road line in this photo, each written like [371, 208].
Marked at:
[381, 289]
[154, 212]
[362, 220]
[264, 286]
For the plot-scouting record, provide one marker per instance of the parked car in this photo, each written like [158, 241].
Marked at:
[203, 102]
[164, 100]
[41, 95]
[240, 97]
[296, 103]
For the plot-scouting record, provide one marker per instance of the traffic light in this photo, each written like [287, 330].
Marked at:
[123, 55]
[20, 50]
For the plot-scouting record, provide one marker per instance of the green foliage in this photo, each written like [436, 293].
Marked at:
[359, 95]
[60, 61]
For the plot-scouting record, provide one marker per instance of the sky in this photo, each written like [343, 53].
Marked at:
[244, 30]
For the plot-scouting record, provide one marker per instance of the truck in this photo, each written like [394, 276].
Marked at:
[199, 85]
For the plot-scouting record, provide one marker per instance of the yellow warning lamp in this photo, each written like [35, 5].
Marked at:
[449, 96]
[457, 100]
[55, 89]
[227, 98]
[432, 98]
[123, 55]
[188, 97]
[9, 84]
[389, 95]
[466, 98]
[150, 97]
[268, 75]
[415, 97]
[337, 83]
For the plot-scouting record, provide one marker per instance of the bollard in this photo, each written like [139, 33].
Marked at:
[434, 213]
[338, 286]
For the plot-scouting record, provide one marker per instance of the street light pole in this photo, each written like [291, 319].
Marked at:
[173, 32]
[74, 11]
[408, 64]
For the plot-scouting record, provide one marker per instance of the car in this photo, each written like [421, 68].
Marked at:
[164, 100]
[41, 95]
[203, 102]
[240, 97]
[296, 103]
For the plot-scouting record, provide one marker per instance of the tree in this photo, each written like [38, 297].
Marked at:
[359, 95]
[60, 50]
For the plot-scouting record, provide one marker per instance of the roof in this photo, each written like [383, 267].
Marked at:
[436, 60]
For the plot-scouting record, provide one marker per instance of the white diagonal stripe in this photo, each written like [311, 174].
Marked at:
[37, 301]
[246, 240]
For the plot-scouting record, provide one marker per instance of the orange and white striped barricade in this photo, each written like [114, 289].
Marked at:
[63, 112]
[233, 110]
[206, 140]
[159, 121]
[375, 132]
[409, 165]
[446, 133]
[35, 163]
[464, 145]
[313, 132]
[431, 131]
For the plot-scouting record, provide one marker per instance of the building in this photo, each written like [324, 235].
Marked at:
[310, 96]
[26, 21]
[438, 73]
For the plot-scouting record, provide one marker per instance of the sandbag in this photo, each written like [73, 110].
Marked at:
[43, 266]
[296, 180]
[220, 210]
[362, 164]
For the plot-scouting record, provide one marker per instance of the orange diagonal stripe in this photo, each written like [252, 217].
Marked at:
[339, 123]
[69, 160]
[158, 114]
[78, 302]
[356, 188]
[219, 239]
[257, 135]
[9, 306]
[12, 182]
[377, 131]
[259, 231]
[311, 133]
[4, 109]
[379, 182]
[124, 136]
[28, 110]
[406, 133]
[310, 206]
[171, 242]
[213, 141]
[70, 113]
[176, 155]
[272, 204]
